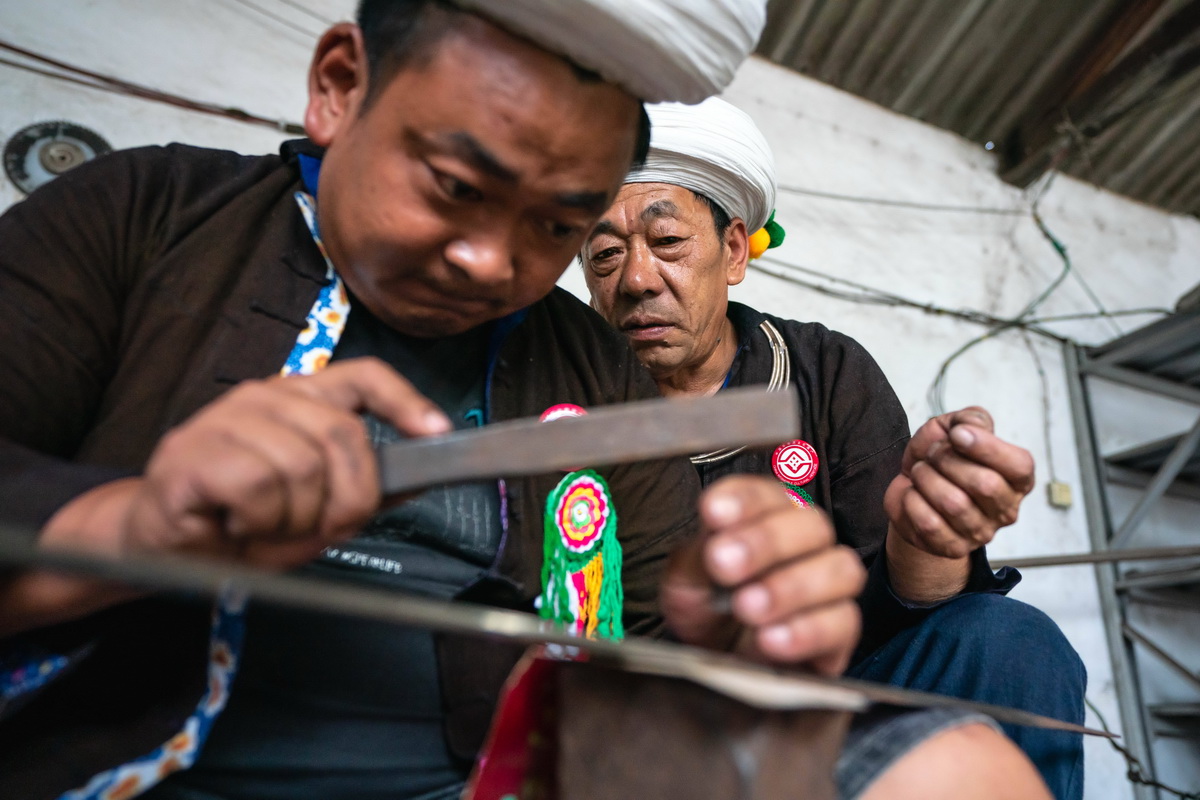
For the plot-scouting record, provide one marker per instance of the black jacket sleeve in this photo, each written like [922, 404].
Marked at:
[67, 255]
[864, 434]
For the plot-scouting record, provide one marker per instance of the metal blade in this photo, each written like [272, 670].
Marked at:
[753, 684]
[607, 435]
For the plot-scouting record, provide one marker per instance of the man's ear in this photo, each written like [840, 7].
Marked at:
[737, 245]
[337, 83]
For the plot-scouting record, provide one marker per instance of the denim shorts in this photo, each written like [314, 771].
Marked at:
[881, 736]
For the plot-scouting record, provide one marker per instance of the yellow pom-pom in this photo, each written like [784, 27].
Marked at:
[760, 240]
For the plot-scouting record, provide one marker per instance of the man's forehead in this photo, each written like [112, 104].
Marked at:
[642, 203]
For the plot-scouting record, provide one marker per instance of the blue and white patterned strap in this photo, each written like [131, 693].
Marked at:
[327, 318]
[180, 751]
[312, 351]
[27, 670]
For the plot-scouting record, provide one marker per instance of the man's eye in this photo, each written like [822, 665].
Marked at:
[561, 230]
[667, 241]
[456, 189]
[605, 254]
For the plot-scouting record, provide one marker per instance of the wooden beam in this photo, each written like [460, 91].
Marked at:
[1088, 97]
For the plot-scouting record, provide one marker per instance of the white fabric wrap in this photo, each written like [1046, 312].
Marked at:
[657, 50]
[715, 149]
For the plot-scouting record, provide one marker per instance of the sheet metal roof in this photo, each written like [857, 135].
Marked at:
[1115, 85]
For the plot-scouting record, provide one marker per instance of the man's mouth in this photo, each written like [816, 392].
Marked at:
[645, 328]
[457, 300]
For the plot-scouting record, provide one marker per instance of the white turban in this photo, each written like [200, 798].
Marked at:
[657, 50]
[715, 149]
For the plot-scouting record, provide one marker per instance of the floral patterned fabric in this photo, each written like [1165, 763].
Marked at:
[327, 318]
[27, 671]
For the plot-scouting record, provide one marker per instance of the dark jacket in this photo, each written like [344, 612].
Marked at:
[851, 416]
[138, 288]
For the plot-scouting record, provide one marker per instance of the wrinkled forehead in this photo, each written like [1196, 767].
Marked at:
[639, 205]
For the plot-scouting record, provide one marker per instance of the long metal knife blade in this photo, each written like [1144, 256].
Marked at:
[607, 435]
[753, 684]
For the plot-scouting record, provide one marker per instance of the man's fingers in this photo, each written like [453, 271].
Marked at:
[368, 384]
[740, 499]
[830, 576]
[952, 504]
[301, 462]
[938, 429]
[687, 599]
[229, 481]
[824, 638]
[351, 470]
[990, 491]
[934, 431]
[925, 529]
[1015, 464]
[756, 528]
[972, 415]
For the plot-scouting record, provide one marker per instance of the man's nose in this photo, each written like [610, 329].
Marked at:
[640, 275]
[484, 257]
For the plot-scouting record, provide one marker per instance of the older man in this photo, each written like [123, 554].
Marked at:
[451, 172]
[659, 265]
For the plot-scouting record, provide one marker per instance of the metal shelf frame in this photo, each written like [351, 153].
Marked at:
[1162, 359]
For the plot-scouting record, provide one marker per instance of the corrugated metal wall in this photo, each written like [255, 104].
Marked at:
[982, 67]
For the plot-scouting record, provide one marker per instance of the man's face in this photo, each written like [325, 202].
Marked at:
[659, 273]
[464, 190]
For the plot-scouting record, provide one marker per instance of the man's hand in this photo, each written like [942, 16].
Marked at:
[270, 473]
[958, 485]
[787, 588]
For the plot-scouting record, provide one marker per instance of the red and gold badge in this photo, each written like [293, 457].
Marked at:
[795, 463]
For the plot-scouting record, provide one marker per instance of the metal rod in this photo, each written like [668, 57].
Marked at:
[1134, 479]
[1124, 670]
[1161, 654]
[1172, 466]
[1137, 344]
[758, 685]
[1154, 580]
[1144, 381]
[1177, 599]
[1106, 557]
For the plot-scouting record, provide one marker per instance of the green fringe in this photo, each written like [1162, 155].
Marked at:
[800, 491]
[559, 563]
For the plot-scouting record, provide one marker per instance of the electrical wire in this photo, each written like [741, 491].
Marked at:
[1135, 771]
[867, 295]
[937, 390]
[303, 9]
[71, 73]
[882, 201]
[278, 19]
[1041, 371]
[1123, 312]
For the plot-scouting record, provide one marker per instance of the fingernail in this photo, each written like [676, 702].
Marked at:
[722, 510]
[935, 448]
[962, 435]
[753, 601]
[437, 422]
[777, 636]
[730, 557]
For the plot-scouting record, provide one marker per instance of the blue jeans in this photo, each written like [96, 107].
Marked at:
[991, 649]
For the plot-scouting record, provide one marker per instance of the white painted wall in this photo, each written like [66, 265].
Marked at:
[228, 52]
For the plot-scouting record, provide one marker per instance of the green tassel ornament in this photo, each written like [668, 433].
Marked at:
[581, 568]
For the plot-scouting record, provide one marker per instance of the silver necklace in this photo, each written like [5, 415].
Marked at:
[781, 376]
